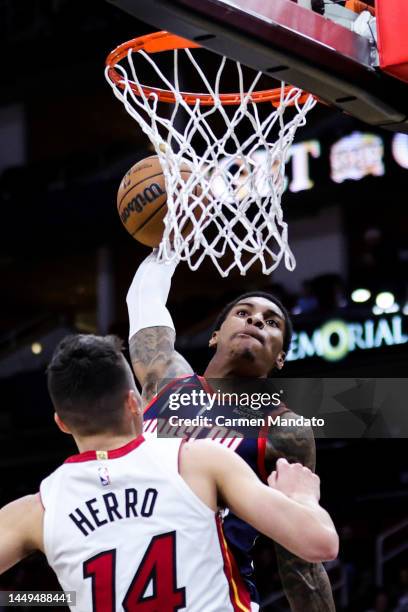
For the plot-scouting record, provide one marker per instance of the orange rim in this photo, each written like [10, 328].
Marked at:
[164, 41]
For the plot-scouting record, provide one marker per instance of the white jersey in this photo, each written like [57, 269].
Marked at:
[124, 530]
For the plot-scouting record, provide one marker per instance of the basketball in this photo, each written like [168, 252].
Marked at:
[142, 200]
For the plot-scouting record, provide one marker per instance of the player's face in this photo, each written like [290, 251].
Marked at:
[253, 334]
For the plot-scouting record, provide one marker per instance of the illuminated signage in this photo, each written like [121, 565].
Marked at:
[353, 157]
[337, 338]
[356, 156]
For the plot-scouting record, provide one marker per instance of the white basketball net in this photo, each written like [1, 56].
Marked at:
[228, 207]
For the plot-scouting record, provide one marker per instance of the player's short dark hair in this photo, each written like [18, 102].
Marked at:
[287, 336]
[88, 380]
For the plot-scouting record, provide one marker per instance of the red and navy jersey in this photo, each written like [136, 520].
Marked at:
[239, 535]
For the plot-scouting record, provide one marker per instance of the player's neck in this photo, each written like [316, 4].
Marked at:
[104, 442]
[220, 367]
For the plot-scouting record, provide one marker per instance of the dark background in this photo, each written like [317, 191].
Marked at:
[66, 264]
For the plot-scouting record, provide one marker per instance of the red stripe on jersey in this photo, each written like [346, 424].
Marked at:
[111, 454]
[239, 595]
[149, 425]
[261, 459]
[206, 385]
[262, 441]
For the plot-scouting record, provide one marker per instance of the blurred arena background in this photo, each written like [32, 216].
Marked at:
[66, 263]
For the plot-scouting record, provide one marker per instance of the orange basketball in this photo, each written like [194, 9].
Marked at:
[142, 200]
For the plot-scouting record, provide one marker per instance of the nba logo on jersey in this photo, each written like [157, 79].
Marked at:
[104, 476]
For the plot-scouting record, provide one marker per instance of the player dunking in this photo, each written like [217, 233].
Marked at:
[130, 523]
[252, 338]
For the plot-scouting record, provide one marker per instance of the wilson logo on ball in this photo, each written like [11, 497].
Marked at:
[142, 200]
[137, 204]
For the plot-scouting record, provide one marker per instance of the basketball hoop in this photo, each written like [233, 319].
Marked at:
[229, 208]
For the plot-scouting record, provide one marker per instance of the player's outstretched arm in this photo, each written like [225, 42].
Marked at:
[287, 511]
[306, 585]
[151, 330]
[20, 530]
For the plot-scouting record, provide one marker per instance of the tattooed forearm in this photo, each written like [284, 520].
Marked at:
[296, 444]
[154, 358]
[306, 585]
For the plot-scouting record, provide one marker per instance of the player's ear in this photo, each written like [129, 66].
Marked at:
[60, 424]
[133, 402]
[213, 340]
[280, 360]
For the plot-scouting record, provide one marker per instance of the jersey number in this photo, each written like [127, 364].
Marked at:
[157, 568]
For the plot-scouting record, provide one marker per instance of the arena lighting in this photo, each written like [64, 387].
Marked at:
[393, 308]
[360, 295]
[385, 303]
[385, 300]
[36, 348]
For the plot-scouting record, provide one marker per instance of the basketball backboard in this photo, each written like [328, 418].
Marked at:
[292, 43]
